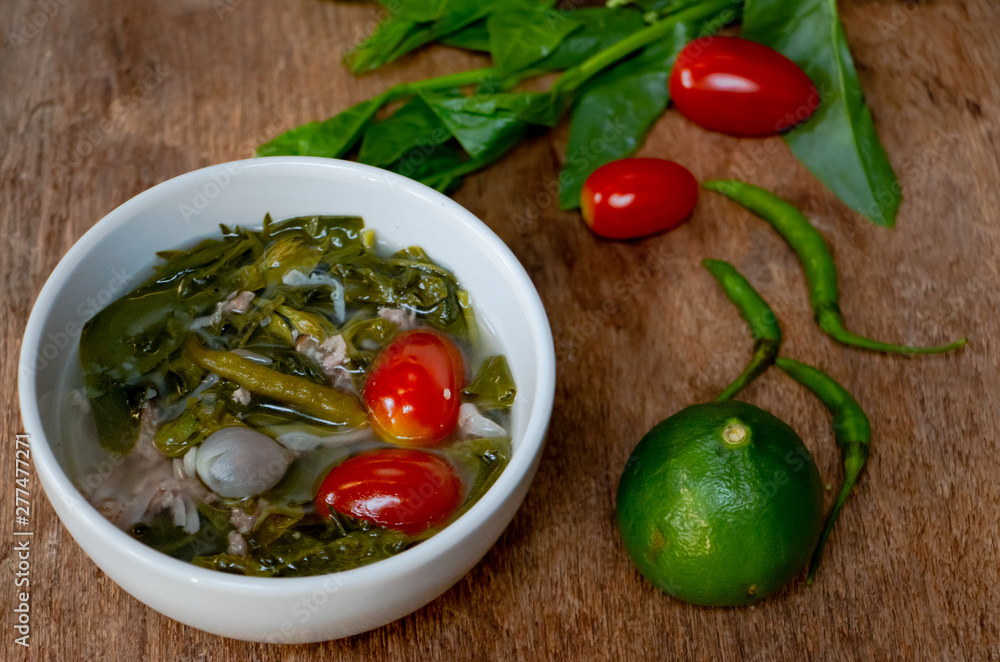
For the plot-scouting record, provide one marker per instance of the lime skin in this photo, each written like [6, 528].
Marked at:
[721, 504]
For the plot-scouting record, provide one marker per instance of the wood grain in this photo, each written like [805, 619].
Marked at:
[101, 100]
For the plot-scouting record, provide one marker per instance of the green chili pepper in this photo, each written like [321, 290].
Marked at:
[851, 428]
[314, 399]
[763, 324]
[817, 263]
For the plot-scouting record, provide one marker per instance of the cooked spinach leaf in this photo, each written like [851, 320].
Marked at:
[321, 548]
[493, 387]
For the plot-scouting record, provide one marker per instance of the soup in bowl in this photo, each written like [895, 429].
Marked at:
[224, 578]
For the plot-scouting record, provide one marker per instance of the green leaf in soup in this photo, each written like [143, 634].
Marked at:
[305, 474]
[403, 282]
[295, 554]
[274, 523]
[493, 387]
[175, 437]
[521, 35]
[161, 534]
[481, 461]
[290, 252]
[134, 334]
[838, 144]
[116, 415]
[203, 256]
[412, 126]
[332, 138]
[615, 111]
[341, 231]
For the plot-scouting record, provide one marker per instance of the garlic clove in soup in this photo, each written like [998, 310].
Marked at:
[237, 462]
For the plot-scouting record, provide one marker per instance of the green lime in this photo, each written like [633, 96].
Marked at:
[721, 504]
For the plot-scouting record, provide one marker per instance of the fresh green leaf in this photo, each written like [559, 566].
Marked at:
[617, 109]
[456, 15]
[415, 24]
[413, 126]
[433, 166]
[489, 123]
[600, 28]
[521, 36]
[485, 123]
[838, 144]
[375, 51]
[664, 7]
[423, 11]
[332, 138]
[473, 37]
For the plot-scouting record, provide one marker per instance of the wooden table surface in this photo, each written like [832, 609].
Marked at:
[101, 100]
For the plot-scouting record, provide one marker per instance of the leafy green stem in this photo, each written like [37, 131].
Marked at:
[458, 79]
[573, 78]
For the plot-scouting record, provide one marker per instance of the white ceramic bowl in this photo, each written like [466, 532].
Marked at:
[110, 259]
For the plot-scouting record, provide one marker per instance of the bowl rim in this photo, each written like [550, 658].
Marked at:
[521, 462]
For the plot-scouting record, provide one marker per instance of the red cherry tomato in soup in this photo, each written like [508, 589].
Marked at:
[412, 391]
[404, 489]
[631, 198]
[740, 87]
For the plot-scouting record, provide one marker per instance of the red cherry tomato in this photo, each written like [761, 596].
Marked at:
[740, 87]
[631, 198]
[412, 391]
[404, 489]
